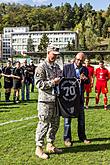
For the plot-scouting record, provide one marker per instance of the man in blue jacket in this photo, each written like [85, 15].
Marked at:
[81, 73]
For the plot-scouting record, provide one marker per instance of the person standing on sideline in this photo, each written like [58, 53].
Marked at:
[32, 72]
[0, 83]
[26, 81]
[102, 76]
[8, 80]
[47, 76]
[88, 87]
[76, 69]
[17, 78]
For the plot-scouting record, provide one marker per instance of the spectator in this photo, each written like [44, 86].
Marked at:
[8, 81]
[0, 83]
[17, 77]
[26, 81]
[32, 72]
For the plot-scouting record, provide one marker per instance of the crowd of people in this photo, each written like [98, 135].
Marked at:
[20, 77]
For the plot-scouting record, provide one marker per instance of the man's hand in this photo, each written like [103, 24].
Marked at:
[83, 77]
[56, 80]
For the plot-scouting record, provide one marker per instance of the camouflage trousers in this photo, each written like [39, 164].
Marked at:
[48, 123]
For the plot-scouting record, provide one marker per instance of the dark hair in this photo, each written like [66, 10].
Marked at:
[8, 61]
[101, 61]
[18, 62]
[87, 58]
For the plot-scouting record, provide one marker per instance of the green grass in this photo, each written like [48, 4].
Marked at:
[17, 139]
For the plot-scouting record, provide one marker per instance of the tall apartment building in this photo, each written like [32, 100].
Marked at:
[7, 48]
[0, 46]
[15, 39]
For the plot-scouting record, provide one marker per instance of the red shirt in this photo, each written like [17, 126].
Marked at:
[102, 74]
[91, 72]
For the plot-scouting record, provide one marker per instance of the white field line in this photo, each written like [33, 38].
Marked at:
[14, 121]
[30, 124]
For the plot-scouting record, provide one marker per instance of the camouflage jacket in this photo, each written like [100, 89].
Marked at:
[44, 73]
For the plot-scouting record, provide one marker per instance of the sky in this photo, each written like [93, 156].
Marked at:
[96, 4]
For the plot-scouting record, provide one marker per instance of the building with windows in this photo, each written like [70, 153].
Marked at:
[0, 46]
[7, 48]
[15, 39]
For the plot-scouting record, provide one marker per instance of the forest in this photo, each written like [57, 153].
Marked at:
[93, 26]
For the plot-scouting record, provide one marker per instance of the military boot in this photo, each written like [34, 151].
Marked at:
[39, 152]
[52, 149]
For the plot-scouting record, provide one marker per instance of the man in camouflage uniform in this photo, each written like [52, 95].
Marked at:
[47, 76]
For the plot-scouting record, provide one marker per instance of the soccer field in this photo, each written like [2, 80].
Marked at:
[17, 136]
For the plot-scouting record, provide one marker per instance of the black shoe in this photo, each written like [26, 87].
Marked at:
[7, 101]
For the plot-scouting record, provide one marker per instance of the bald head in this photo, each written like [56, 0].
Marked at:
[79, 59]
[80, 55]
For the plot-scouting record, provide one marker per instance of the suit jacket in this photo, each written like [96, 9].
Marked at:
[69, 72]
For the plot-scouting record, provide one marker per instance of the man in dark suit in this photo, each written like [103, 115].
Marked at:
[76, 69]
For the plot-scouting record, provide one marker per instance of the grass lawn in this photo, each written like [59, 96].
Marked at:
[17, 136]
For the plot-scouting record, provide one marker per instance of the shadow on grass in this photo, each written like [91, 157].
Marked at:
[87, 148]
[92, 140]
[98, 107]
[32, 100]
[3, 103]
[4, 110]
[7, 108]
[91, 97]
[100, 139]
[29, 101]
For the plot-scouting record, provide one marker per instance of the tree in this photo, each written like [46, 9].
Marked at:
[83, 42]
[43, 43]
[109, 45]
[30, 46]
[99, 24]
[68, 47]
[104, 30]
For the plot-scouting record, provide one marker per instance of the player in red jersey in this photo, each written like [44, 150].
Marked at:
[102, 76]
[88, 87]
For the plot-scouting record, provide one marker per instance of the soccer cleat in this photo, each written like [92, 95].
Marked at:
[39, 152]
[105, 107]
[87, 107]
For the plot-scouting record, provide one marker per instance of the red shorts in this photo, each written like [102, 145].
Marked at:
[88, 88]
[101, 86]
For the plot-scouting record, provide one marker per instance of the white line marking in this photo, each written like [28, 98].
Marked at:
[14, 121]
[30, 124]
